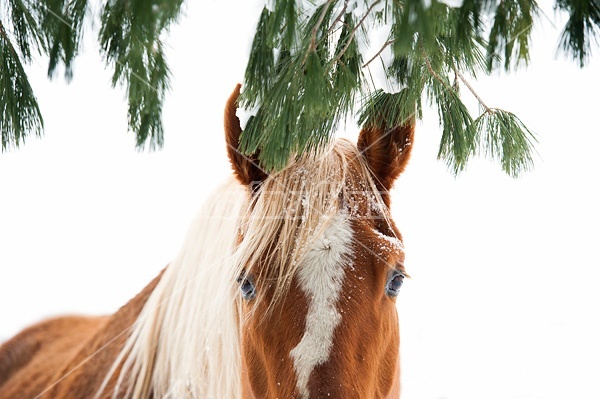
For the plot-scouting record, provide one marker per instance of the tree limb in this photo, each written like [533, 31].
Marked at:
[472, 90]
[351, 36]
[339, 17]
[313, 34]
[389, 42]
[433, 72]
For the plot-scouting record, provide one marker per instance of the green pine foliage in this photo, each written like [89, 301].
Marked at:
[20, 114]
[311, 67]
[62, 24]
[503, 137]
[429, 50]
[581, 29]
[304, 84]
[509, 35]
[130, 37]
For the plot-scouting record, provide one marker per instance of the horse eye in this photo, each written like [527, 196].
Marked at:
[394, 282]
[247, 288]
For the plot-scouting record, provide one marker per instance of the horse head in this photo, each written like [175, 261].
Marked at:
[321, 263]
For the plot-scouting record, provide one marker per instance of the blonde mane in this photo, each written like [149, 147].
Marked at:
[186, 341]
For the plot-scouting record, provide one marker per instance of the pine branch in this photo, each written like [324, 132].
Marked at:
[385, 110]
[25, 29]
[385, 45]
[338, 18]
[313, 34]
[433, 72]
[130, 40]
[581, 30]
[61, 23]
[353, 33]
[513, 22]
[502, 136]
[20, 113]
[7, 41]
[457, 144]
[472, 90]
[305, 69]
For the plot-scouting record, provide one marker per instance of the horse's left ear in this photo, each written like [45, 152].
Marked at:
[245, 167]
[386, 151]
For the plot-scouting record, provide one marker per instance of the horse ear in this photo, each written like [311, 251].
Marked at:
[387, 151]
[245, 167]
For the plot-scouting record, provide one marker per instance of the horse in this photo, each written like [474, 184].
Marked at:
[285, 287]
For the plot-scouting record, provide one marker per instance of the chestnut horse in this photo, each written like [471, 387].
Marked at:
[285, 287]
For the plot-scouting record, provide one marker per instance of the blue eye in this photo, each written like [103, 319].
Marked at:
[394, 282]
[247, 288]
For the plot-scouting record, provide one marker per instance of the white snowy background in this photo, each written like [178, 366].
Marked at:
[504, 300]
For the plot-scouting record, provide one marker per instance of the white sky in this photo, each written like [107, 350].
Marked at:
[504, 299]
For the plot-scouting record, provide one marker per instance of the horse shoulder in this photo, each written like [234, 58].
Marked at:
[83, 375]
[26, 358]
[67, 357]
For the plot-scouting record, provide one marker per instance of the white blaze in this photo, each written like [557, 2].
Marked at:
[321, 277]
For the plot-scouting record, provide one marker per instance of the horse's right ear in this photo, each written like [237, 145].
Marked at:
[245, 167]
